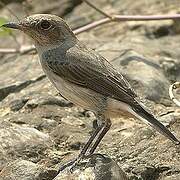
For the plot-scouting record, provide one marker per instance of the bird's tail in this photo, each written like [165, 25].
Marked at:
[141, 113]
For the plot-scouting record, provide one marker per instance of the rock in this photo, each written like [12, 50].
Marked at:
[153, 84]
[176, 26]
[17, 141]
[48, 100]
[75, 145]
[19, 75]
[170, 67]
[68, 134]
[26, 170]
[17, 104]
[142, 152]
[97, 167]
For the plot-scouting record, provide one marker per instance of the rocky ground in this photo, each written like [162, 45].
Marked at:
[39, 130]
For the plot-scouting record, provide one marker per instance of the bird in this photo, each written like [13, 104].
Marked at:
[84, 77]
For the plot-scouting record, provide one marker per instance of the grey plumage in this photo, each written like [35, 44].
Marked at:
[86, 68]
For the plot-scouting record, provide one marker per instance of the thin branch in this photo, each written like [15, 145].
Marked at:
[97, 9]
[8, 50]
[101, 22]
[174, 86]
[145, 18]
[21, 50]
[92, 25]
[125, 18]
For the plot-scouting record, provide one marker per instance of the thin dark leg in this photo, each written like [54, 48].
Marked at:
[88, 144]
[101, 130]
[106, 127]
[68, 164]
[84, 150]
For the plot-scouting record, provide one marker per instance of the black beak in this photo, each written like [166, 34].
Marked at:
[12, 25]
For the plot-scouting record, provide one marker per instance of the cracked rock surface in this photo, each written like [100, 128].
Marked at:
[40, 130]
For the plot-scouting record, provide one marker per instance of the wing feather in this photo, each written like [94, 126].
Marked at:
[90, 70]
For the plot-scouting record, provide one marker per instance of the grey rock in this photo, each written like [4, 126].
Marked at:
[48, 100]
[146, 76]
[68, 134]
[96, 167]
[19, 75]
[17, 104]
[18, 141]
[26, 170]
[176, 26]
[171, 67]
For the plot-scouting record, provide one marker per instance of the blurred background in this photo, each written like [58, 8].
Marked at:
[38, 128]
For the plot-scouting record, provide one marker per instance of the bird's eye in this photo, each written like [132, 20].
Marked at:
[45, 24]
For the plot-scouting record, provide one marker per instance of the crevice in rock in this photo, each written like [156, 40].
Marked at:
[162, 31]
[129, 55]
[4, 92]
[156, 33]
[18, 104]
[153, 173]
[128, 59]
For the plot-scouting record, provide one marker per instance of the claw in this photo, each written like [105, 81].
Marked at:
[73, 164]
[68, 164]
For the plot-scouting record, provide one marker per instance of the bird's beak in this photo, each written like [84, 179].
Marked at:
[12, 25]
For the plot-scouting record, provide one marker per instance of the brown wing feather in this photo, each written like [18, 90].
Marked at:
[86, 68]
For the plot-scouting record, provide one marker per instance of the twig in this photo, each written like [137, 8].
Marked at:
[9, 51]
[101, 22]
[21, 50]
[174, 86]
[125, 18]
[145, 18]
[97, 9]
[92, 25]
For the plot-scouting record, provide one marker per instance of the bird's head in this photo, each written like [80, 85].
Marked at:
[44, 29]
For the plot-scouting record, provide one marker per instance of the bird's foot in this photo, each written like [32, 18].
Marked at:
[67, 165]
[74, 164]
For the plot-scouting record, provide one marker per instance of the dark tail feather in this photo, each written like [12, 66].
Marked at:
[143, 114]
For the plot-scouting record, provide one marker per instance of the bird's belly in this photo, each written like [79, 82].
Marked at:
[78, 95]
[117, 108]
[91, 100]
[87, 98]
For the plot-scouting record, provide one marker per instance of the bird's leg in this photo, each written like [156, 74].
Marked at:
[84, 149]
[106, 126]
[91, 139]
[98, 135]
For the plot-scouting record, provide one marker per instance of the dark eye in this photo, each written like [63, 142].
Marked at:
[45, 24]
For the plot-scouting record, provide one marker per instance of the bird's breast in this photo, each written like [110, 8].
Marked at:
[78, 95]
